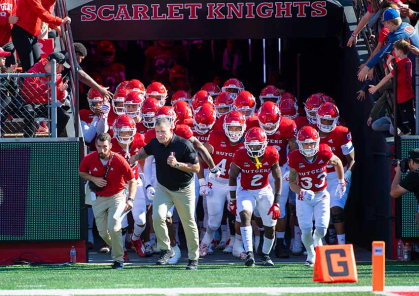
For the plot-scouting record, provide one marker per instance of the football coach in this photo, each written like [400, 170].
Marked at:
[176, 163]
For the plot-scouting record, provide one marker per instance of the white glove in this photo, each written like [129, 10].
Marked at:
[203, 187]
[348, 176]
[214, 174]
[150, 192]
[105, 109]
[286, 176]
[307, 195]
[340, 190]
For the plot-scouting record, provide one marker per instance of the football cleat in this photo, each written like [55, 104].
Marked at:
[176, 257]
[105, 249]
[309, 263]
[266, 260]
[148, 249]
[250, 259]
[297, 248]
[280, 249]
[221, 246]
[139, 247]
[203, 250]
[229, 246]
[238, 248]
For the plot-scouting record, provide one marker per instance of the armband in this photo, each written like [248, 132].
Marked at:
[232, 188]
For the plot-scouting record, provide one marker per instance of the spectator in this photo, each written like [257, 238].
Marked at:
[30, 14]
[405, 93]
[110, 192]
[398, 30]
[7, 19]
[37, 94]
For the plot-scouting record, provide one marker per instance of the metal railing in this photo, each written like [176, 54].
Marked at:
[29, 104]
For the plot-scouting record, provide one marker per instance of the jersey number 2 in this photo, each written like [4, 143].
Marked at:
[255, 180]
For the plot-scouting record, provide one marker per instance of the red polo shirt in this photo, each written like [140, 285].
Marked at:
[118, 176]
[404, 80]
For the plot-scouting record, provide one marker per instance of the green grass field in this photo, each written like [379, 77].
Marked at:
[89, 276]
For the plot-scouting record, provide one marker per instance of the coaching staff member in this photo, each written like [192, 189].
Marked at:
[110, 192]
[411, 182]
[176, 163]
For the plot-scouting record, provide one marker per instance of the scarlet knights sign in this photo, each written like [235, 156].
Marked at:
[177, 19]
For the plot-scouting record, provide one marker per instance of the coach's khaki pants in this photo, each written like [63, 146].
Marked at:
[184, 201]
[109, 229]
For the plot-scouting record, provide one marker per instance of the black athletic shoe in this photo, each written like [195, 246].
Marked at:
[165, 255]
[259, 250]
[280, 249]
[118, 265]
[250, 259]
[192, 265]
[266, 260]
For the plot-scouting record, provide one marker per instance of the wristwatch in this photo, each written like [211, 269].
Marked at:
[130, 199]
[177, 165]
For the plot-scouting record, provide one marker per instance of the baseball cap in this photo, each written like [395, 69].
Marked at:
[59, 58]
[390, 14]
[4, 53]
[414, 153]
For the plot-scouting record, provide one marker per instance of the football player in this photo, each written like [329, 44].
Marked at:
[270, 93]
[157, 91]
[245, 103]
[221, 145]
[281, 132]
[181, 95]
[148, 112]
[254, 163]
[212, 89]
[340, 141]
[233, 86]
[200, 98]
[128, 142]
[307, 179]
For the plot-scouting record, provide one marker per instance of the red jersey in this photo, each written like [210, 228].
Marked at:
[180, 130]
[202, 138]
[404, 80]
[340, 141]
[218, 125]
[118, 175]
[382, 37]
[86, 115]
[112, 117]
[253, 178]
[7, 9]
[141, 129]
[301, 121]
[162, 59]
[311, 176]
[134, 147]
[223, 151]
[112, 75]
[286, 131]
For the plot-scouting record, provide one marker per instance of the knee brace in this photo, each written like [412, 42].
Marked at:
[338, 217]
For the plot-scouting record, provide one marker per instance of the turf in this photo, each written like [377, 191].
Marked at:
[152, 276]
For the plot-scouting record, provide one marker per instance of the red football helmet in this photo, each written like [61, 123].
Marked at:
[288, 108]
[137, 85]
[94, 97]
[118, 101]
[204, 118]
[212, 88]
[328, 99]
[167, 112]
[270, 93]
[269, 117]
[327, 117]
[107, 51]
[200, 98]
[233, 86]
[158, 91]
[234, 119]
[178, 71]
[183, 112]
[124, 129]
[307, 135]
[312, 104]
[223, 103]
[122, 85]
[288, 95]
[182, 96]
[255, 142]
[245, 103]
[133, 102]
[148, 112]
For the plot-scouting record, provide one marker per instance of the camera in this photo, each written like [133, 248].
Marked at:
[404, 164]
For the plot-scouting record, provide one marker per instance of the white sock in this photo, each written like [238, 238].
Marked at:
[307, 239]
[280, 234]
[341, 239]
[138, 230]
[267, 245]
[317, 239]
[224, 233]
[153, 238]
[208, 237]
[238, 237]
[247, 238]
[257, 241]
[297, 234]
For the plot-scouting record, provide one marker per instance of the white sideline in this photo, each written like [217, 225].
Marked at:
[225, 290]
